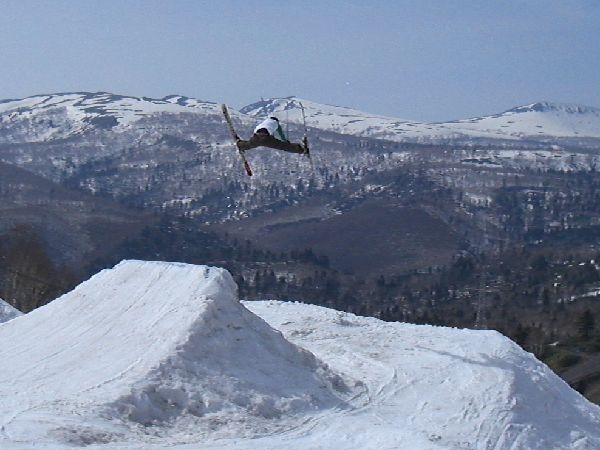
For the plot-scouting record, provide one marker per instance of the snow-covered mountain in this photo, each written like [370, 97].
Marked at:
[154, 355]
[87, 106]
[58, 116]
[538, 120]
[532, 122]
[7, 312]
[333, 118]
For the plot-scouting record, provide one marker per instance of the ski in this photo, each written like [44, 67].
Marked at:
[235, 138]
[305, 137]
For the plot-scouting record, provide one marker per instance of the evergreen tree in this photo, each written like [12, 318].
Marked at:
[585, 324]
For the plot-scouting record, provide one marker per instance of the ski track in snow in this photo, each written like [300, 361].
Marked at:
[429, 396]
[151, 355]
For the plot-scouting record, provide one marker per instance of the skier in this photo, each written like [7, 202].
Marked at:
[264, 135]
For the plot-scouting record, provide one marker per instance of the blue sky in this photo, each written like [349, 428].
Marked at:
[429, 60]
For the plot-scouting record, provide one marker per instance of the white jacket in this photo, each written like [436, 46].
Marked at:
[269, 124]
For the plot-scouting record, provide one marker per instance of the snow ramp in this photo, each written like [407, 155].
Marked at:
[148, 347]
[434, 388]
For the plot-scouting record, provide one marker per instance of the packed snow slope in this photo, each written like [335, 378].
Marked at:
[146, 348]
[151, 355]
[7, 312]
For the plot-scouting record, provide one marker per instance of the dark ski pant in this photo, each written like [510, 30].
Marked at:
[266, 140]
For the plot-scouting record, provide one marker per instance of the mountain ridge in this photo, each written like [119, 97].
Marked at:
[518, 123]
[103, 110]
[544, 106]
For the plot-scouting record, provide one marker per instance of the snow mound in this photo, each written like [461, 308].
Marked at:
[148, 347]
[437, 388]
[7, 312]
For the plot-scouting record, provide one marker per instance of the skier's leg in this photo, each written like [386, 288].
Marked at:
[292, 148]
[253, 142]
[243, 145]
[275, 143]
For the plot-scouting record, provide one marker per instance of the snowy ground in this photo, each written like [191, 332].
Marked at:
[154, 355]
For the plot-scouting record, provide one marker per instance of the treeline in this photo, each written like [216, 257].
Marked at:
[28, 276]
[537, 296]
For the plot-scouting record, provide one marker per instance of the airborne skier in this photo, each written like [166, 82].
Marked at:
[264, 136]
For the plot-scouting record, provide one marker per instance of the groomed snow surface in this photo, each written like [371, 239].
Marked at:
[151, 355]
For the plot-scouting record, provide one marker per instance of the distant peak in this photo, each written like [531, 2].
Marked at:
[176, 99]
[271, 105]
[555, 107]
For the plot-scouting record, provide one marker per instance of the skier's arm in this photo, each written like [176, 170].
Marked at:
[281, 134]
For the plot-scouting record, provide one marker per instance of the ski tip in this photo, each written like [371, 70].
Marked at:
[248, 169]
